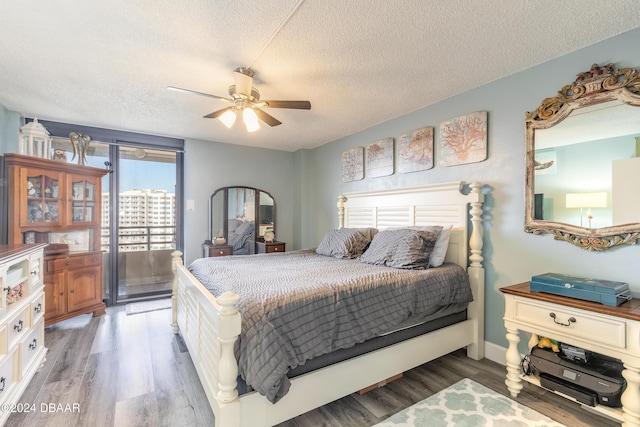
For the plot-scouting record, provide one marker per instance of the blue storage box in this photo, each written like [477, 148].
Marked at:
[602, 291]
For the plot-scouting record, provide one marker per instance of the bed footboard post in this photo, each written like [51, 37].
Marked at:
[229, 331]
[340, 205]
[476, 271]
[176, 258]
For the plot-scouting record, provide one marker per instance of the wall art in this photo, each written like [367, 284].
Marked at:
[380, 158]
[353, 164]
[464, 139]
[415, 150]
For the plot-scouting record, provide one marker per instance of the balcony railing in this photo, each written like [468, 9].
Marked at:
[141, 238]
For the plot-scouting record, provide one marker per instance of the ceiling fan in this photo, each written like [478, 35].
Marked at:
[244, 98]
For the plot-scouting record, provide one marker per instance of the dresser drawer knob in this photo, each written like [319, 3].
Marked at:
[3, 381]
[38, 308]
[18, 326]
[571, 320]
[33, 344]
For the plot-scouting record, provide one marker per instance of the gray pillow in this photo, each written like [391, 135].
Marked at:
[234, 224]
[440, 249]
[402, 247]
[245, 228]
[345, 242]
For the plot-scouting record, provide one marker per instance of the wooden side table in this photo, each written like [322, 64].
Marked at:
[270, 247]
[211, 250]
[612, 331]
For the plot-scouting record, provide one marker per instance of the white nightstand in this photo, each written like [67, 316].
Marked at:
[612, 331]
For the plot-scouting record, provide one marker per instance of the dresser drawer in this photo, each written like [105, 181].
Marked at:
[6, 375]
[71, 262]
[604, 330]
[220, 251]
[37, 309]
[18, 325]
[31, 345]
[278, 247]
[267, 248]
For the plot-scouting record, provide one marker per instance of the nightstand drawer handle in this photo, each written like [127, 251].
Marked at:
[38, 308]
[18, 327]
[571, 320]
[3, 380]
[33, 344]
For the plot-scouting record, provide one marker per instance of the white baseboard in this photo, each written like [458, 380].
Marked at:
[495, 353]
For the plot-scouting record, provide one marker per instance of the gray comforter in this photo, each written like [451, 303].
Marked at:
[299, 305]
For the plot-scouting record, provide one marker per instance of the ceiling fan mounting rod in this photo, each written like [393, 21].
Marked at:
[246, 71]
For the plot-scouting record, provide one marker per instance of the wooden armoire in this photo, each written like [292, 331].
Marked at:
[59, 203]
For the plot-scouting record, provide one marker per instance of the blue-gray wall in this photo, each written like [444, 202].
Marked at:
[9, 128]
[211, 165]
[511, 255]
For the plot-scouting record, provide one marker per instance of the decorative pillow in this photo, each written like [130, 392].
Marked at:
[408, 248]
[234, 224]
[345, 242]
[246, 227]
[440, 249]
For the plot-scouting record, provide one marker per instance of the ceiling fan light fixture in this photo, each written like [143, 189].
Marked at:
[250, 120]
[228, 118]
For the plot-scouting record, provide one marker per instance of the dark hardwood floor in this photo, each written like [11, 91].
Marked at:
[131, 370]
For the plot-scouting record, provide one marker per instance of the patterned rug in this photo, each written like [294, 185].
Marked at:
[468, 404]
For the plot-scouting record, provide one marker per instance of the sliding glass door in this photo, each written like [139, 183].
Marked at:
[146, 221]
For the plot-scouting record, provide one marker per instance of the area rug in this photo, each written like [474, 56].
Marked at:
[468, 404]
[146, 306]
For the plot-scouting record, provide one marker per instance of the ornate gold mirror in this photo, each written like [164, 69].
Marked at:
[583, 161]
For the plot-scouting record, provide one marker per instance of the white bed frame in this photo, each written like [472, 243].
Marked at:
[210, 326]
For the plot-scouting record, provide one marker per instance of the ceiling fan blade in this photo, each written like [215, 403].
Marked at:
[178, 89]
[297, 105]
[217, 114]
[267, 118]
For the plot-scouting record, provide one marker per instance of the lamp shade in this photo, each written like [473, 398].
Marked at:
[586, 200]
[250, 120]
[228, 118]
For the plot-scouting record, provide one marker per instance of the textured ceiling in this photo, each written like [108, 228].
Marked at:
[359, 62]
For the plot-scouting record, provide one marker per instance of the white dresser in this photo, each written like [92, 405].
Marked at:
[22, 351]
[612, 331]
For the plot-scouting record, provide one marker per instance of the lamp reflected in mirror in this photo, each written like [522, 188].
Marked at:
[586, 201]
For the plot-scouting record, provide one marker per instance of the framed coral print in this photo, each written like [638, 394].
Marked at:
[464, 139]
[353, 164]
[415, 150]
[380, 158]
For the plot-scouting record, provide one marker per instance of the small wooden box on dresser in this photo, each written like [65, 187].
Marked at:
[612, 331]
[22, 350]
[59, 203]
